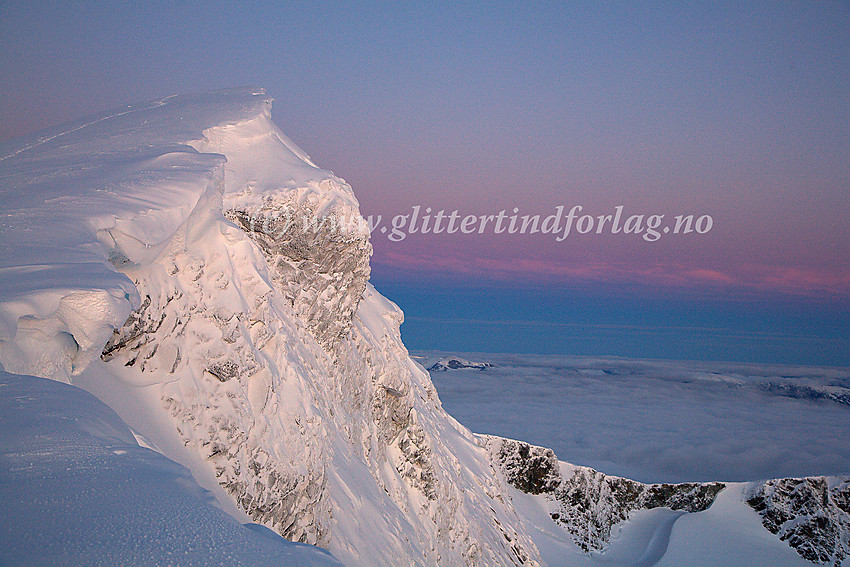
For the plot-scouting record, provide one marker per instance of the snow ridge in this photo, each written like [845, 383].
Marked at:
[252, 344]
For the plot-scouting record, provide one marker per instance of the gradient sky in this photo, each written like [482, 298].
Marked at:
[739, 111]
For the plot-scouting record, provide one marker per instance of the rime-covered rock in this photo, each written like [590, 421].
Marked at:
[585, 502]
[223, 279]
[811, 514]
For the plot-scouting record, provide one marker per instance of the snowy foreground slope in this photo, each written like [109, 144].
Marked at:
[76, 488]
[187, 264]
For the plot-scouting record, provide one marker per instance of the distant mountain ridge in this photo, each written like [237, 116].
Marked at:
[456, 363]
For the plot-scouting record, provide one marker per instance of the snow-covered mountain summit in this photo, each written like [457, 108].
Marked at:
[185, 262]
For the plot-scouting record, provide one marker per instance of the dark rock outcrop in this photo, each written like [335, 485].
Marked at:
[811, 514]
[587, 503]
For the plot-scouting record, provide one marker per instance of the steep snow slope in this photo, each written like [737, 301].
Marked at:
[76, 489]
[158, 256]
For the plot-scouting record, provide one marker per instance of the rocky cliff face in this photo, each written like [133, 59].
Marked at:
[281, 366]
[811, 514]
[585, 502]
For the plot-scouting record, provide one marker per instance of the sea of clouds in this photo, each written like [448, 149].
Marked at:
[659, 421]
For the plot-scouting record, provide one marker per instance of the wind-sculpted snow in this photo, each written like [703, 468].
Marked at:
[321, 272]
[314, 240]
[238, 333]
[109, 187]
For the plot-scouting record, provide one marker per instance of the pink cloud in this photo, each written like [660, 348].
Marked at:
[676, 274]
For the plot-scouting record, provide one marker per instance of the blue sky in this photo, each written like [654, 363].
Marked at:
[734, 110]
